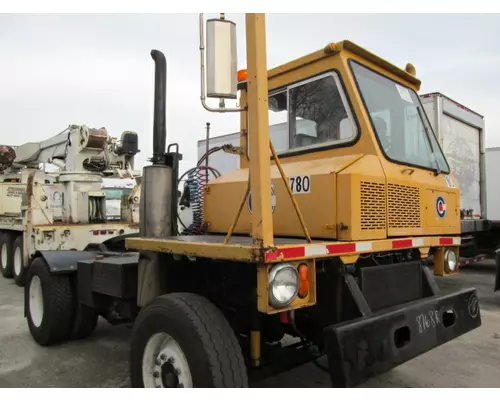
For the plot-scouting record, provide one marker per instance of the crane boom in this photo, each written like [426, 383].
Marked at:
[77, 148]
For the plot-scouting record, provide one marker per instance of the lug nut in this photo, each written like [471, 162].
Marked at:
[156, 374]
[171, 360]
[163, 357]
[177, 371]
[158, 361]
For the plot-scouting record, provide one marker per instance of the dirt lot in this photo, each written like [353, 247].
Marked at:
[102, 360]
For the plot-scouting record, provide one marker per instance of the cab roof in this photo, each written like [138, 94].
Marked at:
[335, 48]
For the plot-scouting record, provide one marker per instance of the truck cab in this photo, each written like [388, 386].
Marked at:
[353, 138]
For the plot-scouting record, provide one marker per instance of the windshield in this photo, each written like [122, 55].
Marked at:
[399, 121]
[116, 193]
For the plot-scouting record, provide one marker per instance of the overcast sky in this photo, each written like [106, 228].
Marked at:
[96, 70]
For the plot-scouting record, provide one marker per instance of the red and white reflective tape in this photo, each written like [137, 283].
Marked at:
[318, 250]
[340, 248]
[448, 241]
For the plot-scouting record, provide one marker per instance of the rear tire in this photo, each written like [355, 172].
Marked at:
[49, 304]
[187, 334]
[6, 254]
[85, 322]
[18, 270]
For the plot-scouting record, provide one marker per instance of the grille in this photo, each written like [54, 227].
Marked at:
[404, 206]
[373, 209]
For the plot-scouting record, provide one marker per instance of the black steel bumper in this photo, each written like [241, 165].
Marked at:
[374, 344]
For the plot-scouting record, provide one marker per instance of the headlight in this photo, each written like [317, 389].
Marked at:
[283, 285]
[450, 261]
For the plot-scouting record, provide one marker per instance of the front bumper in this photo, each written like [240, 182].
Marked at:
[374, 344]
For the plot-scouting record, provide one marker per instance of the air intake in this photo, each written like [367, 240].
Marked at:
[403, 207]
[373, 207]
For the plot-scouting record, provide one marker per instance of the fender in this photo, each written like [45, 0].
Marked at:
[122, 237]
[65, 261]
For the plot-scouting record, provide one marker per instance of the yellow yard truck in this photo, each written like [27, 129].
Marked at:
[320, 238]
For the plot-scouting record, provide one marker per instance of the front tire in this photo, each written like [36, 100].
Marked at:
[18, 270]
[183, 340]
[49, 304]
[6, 255]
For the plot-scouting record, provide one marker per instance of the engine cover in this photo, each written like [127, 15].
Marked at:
[355, 197]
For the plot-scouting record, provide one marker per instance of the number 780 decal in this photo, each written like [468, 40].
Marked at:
[300, 184]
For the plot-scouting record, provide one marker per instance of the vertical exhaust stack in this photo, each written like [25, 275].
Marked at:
[158, 179]
[158, 208]
[160, 105]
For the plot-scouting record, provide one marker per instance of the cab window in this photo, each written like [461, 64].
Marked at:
[310, 114]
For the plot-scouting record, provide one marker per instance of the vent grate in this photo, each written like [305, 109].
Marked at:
[373, 207]
[404, 206]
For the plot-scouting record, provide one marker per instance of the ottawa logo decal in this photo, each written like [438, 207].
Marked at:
[273, 200]
[440, 207]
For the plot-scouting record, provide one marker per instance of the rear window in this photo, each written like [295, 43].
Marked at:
[116, 193]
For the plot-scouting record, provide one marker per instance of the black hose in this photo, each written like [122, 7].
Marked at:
[195, 186]
[306, 343]
[209, 152]
[213, 170]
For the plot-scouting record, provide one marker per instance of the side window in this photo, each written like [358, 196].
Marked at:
[310, 114]
[278, 121]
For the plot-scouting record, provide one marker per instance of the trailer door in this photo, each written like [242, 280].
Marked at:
[461, 145]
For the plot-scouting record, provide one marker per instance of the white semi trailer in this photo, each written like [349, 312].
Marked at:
[66, 210]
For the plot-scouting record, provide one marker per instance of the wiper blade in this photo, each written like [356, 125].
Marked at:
[422, 118]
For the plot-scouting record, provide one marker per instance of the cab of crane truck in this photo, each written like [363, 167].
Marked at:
[345, 111]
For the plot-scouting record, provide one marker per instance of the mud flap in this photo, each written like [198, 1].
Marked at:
[374, 344]
[497, 268]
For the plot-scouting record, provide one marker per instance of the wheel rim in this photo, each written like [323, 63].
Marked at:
[36, 301]
[164, 364]
[18, 261]
[4, 255]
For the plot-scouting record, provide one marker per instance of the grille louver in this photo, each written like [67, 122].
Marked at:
[404, 206]
[373, 208]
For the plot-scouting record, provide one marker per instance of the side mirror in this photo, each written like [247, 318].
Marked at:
[221, 59]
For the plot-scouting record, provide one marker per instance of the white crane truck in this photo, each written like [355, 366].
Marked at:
[66, 210]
